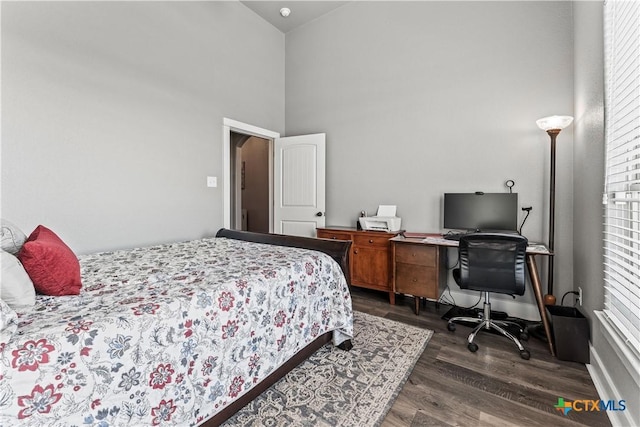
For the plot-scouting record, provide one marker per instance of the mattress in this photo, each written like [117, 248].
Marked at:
[168, 334]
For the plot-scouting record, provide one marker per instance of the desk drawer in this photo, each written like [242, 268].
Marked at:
[371, 240]
[417, 254]
[335, 235]
[416, 280]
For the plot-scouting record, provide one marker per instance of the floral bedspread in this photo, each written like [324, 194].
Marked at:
[169, 334]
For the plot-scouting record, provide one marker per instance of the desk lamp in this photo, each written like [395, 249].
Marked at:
[552, 125]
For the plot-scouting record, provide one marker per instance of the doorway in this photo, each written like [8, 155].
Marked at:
[295, 188]
[250, 157]
[233, 198]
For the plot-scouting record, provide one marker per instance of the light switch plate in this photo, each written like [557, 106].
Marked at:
[212, 181]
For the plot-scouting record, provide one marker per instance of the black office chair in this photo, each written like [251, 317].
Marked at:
[492, 262]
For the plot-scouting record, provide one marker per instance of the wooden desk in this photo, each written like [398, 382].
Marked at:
[418, 269]
[533, 250]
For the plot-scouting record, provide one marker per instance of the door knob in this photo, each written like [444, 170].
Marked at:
[319, 213]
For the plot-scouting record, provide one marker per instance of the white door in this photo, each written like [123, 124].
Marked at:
[299, 184]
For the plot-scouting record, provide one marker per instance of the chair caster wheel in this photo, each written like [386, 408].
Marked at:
[524, 336]
[525, 354]
[473, 347]
[451, 327]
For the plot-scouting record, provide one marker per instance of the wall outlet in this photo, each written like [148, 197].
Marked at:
[580, 296]
[212, 181]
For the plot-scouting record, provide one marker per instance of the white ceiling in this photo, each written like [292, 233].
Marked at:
[302, 11]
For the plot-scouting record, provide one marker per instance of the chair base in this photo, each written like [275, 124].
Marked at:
[487, 323]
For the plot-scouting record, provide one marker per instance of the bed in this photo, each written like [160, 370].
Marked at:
[176, 334]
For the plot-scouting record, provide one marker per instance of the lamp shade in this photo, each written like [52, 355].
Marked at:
[554, 122]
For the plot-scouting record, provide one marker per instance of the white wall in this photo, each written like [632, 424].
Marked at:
[112, 114]
[589, 153]
[422, 98]
[112, 111]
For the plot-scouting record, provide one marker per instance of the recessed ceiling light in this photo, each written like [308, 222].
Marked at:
[285, 11]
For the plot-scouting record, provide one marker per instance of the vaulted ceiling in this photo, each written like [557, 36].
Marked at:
[301, 11]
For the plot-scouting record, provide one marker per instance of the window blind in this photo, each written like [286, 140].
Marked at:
[622, 170]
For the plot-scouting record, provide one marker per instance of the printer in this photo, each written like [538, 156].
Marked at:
[384, 220]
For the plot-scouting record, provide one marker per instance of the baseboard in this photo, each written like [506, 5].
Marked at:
[615, 371]
[606, 389]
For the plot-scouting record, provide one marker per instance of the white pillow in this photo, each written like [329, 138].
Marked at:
[8, 322]
[11, 237]
[16, 288]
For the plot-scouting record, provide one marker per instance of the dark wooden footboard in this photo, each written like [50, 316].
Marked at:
[336, 249]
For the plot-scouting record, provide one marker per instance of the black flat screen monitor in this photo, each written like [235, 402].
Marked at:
[481, 211]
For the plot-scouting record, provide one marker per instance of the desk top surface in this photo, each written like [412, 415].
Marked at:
[350, 229]
[437, 239]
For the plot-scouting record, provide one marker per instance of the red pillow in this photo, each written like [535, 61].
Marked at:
[51, 265]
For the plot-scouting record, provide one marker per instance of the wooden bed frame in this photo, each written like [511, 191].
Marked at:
[336, 249]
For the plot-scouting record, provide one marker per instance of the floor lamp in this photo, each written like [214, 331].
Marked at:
[552, 125]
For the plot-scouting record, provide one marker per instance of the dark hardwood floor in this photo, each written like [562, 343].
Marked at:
[450, 386]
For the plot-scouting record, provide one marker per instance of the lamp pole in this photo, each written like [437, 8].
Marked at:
[552, 125]
[549, 298]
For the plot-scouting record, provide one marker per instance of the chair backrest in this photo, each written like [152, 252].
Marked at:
[493, 262]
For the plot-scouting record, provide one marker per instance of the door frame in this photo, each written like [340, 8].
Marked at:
[228, 126]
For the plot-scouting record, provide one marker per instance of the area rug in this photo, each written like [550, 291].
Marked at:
[342, 388]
